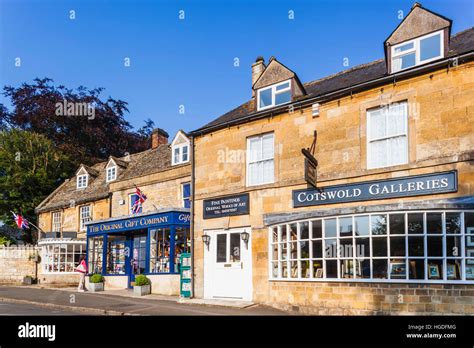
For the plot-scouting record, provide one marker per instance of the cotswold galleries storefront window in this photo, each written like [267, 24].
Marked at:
[422, 246]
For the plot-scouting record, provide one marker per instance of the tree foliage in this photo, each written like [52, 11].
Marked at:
[31, 167]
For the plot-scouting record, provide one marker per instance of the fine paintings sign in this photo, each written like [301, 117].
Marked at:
[427, 184]
[226, 206]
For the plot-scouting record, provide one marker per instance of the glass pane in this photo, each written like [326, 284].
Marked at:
[282, 86]
[304, 250]
[265, 97]
[267, 146]
[404, 47]
[283, 234]
[362, 268]
[378, 153]
[304, 230]
[282, 98]
[235, 247]
[469, 230]
[317, 269]
[330, 228]
[275, 235]
[415, 223]
[397, 246]
[435, 269]
[435, 246]
[346, 247]
[331, 269]
[379, 224]
[293, 232]
[417, 269]
[453, 246]
[378, 125]
[293, 251]
[317, 231]
[453, 269]
[453, 223]
[380, 269]
[284, 251]
[221, 247]
[430, 47]
[396, 118]
[317, 249]
[434, 223]
[469, 269]
[293, 269]
[275, 252]
[305, 269]
[284, 269]
[361, 225]
[330, 248]
[405, 61]
[345, 227]
[416, 246]
[379, 246]
[362, 247]
[274, 269]
[397, 223]
[347, 268]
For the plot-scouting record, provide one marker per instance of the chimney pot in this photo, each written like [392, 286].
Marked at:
[158, 137]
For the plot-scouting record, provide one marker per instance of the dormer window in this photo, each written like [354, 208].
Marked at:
[277, 94]
[180, 149]
[82, 181]
[111, 173]
[417, 51]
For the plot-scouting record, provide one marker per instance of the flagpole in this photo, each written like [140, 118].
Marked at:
[30, 223]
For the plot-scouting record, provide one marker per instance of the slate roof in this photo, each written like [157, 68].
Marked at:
[133, 166]
[460, 43]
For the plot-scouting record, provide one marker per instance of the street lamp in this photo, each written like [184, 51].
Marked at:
[245, 237]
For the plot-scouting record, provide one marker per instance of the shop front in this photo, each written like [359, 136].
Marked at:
[149, 243]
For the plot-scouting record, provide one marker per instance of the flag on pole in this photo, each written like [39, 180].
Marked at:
[141, 198]
[21, 222]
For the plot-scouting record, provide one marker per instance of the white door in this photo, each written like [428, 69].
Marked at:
[228, 265]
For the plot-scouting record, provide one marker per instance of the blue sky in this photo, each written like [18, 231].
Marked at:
[190, 62]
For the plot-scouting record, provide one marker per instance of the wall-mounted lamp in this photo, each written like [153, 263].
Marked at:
[206, 239]
[245, 237]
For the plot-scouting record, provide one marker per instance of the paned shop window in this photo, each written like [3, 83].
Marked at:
[94, 257]
[387, 136]
[160, 239]
[182, 244]
[61, 258]
[419, 246]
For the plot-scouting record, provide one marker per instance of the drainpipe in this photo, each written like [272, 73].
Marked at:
[192, 216]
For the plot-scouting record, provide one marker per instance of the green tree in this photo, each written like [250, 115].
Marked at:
[31, 167]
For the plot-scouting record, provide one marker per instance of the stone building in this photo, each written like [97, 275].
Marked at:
[378, 215]
[79, 214]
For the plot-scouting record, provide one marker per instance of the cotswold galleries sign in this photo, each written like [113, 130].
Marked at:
[428, 184]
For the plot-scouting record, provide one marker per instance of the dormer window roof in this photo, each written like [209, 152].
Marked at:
[422, 37]
[274, 84]
[180, 148]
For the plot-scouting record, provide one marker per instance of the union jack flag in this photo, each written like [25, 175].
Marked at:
[137, 205]
[21, 222]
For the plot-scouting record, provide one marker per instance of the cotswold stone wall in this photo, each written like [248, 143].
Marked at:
[16, 263]
[371, 298]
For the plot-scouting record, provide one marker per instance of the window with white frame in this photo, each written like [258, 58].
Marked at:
[418, 51]
[111, 173]
[82, 181]
[387, 135]
[61, 258]
[56, 222]
[260, 159]
[85, 215]
[277, 94]
[414, 246]
[180, 153]
[186, 190]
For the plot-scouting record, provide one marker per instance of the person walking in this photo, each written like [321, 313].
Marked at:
[82, 269]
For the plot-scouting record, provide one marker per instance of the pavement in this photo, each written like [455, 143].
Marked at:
[30, 309]
[121, 302]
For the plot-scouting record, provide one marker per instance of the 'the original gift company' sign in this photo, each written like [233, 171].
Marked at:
[400, 187]
[226, 206]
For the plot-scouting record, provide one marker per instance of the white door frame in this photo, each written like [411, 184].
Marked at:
[210, 263]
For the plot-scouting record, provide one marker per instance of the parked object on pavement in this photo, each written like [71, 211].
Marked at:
[96, 283]
[28, 280]
[142, 285]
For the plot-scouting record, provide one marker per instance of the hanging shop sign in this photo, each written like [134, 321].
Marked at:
[427, 184]
[226, 206]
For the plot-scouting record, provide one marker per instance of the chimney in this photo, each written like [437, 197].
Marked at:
[257, 70]
[158, 137]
